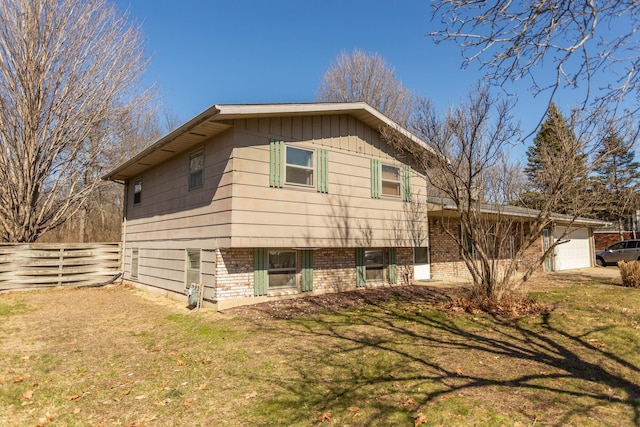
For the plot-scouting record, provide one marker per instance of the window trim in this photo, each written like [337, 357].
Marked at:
[187, 266]
[282, 270]
[311, 168]
[383, 180]
[193, 155]
[137, 194]
[380, 267]
[135, 257]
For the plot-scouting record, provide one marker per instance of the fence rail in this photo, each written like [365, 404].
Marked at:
[38, 265]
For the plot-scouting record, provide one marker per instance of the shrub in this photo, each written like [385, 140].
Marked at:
[630, 273]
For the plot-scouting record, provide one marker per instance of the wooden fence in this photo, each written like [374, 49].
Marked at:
[45, 265]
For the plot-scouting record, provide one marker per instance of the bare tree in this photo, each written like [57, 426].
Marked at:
[472, 176]
[69, 71]
[579, 40]
[360, 76]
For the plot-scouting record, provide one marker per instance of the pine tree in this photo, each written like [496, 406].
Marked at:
[616, 177]
[555, 147]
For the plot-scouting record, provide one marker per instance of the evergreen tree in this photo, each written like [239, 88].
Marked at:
[555, 146]
[616, 177]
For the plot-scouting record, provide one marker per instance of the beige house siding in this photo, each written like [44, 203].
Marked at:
[299, 216]
[236, 210]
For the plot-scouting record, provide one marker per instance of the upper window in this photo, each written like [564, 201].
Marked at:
[390, 180]
[196, 165]
[374, 264]
[299, 166]
[137, 190]
[193, 266]
[282, 269]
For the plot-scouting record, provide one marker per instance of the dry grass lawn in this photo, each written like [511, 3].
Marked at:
[114, 356]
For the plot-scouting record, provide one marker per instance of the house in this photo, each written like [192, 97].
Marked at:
[257, 201]
[264, 201]
[576, 248]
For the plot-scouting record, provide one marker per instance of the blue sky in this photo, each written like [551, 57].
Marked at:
[247, 51]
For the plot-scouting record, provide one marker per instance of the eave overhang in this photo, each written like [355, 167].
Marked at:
[218, 118]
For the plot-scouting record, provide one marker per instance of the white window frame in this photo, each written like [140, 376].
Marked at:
[299, 167]
[135, 262]
[397, 182]
[189, 270]
[374, 267]
[193, 173]
[291, 270]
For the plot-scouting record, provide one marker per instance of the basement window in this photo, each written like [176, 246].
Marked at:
[282, 269]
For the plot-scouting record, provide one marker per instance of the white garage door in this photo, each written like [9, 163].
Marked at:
[576, 253]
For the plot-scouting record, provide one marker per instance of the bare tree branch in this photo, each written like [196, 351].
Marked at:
[68, 70]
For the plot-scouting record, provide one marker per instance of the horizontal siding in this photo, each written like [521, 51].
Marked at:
[300, 216]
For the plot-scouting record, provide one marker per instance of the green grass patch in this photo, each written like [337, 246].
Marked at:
[386, 364]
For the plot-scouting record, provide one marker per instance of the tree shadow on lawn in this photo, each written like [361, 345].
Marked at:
[389, 362]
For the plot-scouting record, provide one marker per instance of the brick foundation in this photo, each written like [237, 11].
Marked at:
[334, 270]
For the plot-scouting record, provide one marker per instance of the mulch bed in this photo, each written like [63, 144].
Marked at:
[343, 301]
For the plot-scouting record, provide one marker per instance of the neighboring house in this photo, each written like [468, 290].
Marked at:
[576, 235]
[270, 200]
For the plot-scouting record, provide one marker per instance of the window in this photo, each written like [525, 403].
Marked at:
[137, 190]
[196, 165]
[299, 166]
[134, 262]
[390, 180]
[193, 267]
[282, 269]
[420, 255]
[374, 264]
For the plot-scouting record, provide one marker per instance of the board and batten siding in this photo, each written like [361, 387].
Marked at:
[300, 216]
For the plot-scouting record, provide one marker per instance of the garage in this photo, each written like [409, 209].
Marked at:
[575, 251]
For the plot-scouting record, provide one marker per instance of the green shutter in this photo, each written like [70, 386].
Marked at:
[361, 272]
[393, 266]
[307, 270]
[260, 271]
[275, 163]
[323, 170]
[406, 183]
[375, 179]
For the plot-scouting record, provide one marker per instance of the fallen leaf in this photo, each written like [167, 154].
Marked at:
[392, 374]
[251, 395]
[126, 392]
[458, 372]
[354, 409]
[188, 403]
[140, 397]
[44, 420]
[180, 363]
[324, 416]
[74, 397]
[76, 410]
[28, 394]
[409, 401]
[18, 379]
[203, 387]
[419, 420]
